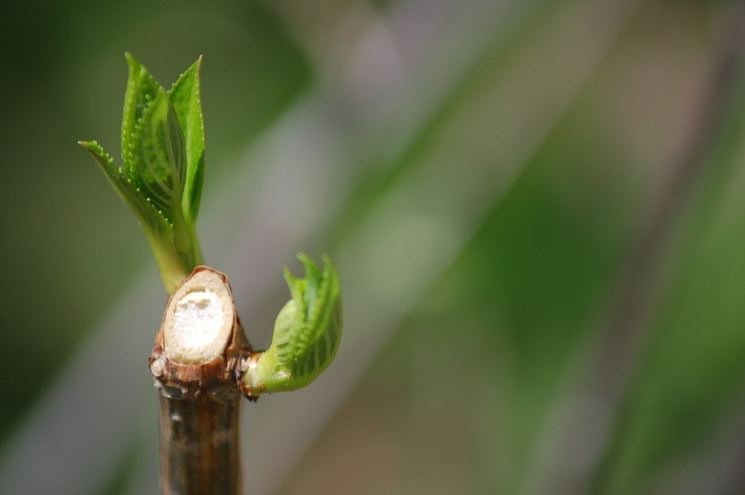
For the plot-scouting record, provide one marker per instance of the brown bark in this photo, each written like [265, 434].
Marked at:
[199, 448]
[199, 413]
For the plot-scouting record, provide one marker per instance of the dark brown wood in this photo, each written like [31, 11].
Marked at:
[199, 417]
[199, 446]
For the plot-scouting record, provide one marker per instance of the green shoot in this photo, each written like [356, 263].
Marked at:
[306, 333]
[161, 181]
[163, 166]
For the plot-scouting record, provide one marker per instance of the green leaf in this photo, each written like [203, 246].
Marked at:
[123, 186]
[185, 99]
[153, 147]
[306, 333]
[141, 89]
[153, 178]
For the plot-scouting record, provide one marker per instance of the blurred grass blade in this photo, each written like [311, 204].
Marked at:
[693, 366]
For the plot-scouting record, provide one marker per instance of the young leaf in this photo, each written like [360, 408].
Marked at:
[141, 89]
[306, 333]
[185, 99]
[157, 164]
[153, 179]
[147, 214]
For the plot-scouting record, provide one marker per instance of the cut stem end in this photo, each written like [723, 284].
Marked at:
[199, 319]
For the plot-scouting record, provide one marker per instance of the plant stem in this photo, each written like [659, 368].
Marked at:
[196, 362]
[199, 447]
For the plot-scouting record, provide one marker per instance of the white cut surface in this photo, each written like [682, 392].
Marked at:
[199, 320]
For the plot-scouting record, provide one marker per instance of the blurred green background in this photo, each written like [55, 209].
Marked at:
[537, 209]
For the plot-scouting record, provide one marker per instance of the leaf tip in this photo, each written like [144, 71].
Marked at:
[132, 62]
[326, 260]
[304, 258]
[91, 145]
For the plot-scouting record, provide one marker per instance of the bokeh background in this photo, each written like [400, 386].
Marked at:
[537, 209]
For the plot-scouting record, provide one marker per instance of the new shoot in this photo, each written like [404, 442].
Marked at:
[201, 360]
